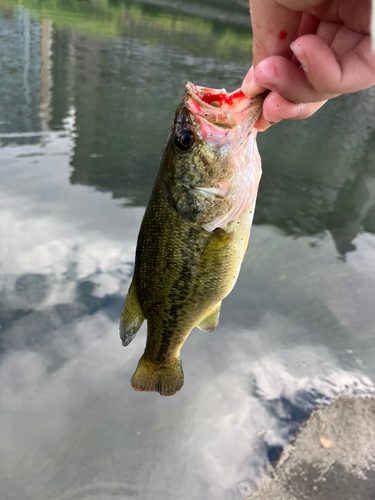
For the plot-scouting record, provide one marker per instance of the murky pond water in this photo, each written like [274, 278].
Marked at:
[87, 92]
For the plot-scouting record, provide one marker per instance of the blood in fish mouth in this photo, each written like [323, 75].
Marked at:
[236, 100]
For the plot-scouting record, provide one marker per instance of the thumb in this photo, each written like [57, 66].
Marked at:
[249, 87]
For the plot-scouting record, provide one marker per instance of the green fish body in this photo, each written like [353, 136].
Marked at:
[195, 230]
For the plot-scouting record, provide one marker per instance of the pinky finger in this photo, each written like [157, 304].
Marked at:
[306, 110]
[276, 108]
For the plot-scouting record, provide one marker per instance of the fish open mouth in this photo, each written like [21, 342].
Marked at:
[236, 101]
[223, 117]
[222, 108]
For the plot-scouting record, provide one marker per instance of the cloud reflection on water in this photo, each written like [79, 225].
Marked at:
[68, 259]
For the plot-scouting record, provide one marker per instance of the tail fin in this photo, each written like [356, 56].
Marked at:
[165, 379]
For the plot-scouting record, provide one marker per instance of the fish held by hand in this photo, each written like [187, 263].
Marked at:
[195, 229]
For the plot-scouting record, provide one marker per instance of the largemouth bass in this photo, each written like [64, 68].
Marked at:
[195, 229]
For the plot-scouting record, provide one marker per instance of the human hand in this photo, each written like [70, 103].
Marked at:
[306, 52]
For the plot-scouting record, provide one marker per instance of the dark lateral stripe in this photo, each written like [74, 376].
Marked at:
[178, 293]
[177, 296]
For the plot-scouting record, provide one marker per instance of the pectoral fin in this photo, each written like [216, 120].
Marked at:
[132, 317]
[210, 321]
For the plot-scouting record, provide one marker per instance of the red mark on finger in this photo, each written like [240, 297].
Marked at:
[283, 35]
[275, 72]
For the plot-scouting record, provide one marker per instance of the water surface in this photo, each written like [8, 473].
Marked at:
[87, 93]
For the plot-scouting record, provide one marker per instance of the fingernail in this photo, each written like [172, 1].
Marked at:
[248, 83]
[249, 77]
[300, 55]
[271, 122]
[264, 123]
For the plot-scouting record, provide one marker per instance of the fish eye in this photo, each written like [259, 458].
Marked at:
[184, 139]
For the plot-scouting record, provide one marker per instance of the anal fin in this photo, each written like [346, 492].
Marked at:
[132, 316]
[211, 320]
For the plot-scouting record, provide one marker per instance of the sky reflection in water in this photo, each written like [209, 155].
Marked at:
[83, 122]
